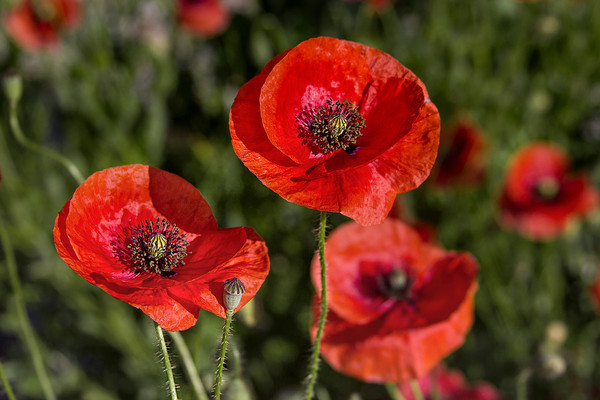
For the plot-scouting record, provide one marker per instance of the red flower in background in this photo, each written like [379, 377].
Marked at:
[398, 305]
[148, 237]
[461, 158]
[203, 17]
[336, 126]
[450, 385]
[540, 197]
[377, 5]
[36, 24]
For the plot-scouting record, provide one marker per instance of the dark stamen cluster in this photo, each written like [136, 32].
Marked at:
[547, 188]
[153, 246]
[397, 284]
[330, 127]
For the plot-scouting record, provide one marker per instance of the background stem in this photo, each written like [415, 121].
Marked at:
[28, 334]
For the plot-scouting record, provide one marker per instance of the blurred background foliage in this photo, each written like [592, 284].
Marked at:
[128, 85]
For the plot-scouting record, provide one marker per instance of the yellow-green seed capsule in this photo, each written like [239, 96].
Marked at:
[157, 245]
[232, 293]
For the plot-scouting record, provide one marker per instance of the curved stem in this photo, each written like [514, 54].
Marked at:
[28, 334]
[20, 136]
[189, 365]
[417, 394]
[165, 356]
[314, 364]
[7, 388]
[225, 339]
[393, 391]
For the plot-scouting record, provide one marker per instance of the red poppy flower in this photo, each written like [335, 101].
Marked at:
[36, 24]
[377, 5]
[539, 197]
[450, 385]
[336, 126]
[462, 159]
[398, 305]
[203, 17]
[148, 237]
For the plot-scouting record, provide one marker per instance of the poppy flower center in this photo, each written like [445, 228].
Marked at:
[396, 284]
[330, 127]
[155, 246]
[547, 188]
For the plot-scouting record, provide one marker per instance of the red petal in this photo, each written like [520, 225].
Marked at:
[310, 73]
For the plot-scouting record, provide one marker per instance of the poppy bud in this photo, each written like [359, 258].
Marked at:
[13, 86]
[234, 289]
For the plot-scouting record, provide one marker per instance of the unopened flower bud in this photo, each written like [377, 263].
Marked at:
[233, 291]
[556, 333]
[551, 365]
[13, 86]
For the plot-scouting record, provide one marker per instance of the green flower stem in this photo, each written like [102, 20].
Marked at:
[225, 339]
[28, 334]
[314, 364]
[7, 388]
[394, 391]
[20, 136]
[189, 365]
[414, 385]
[165, 356]
[522, 380]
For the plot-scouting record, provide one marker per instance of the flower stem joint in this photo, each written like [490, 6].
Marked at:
[232, 295]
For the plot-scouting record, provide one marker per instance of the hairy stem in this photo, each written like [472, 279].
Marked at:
[314, 363]
[165, 356]
[224, 340]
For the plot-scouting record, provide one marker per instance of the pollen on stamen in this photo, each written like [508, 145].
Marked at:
[330, 127]
[154, 246]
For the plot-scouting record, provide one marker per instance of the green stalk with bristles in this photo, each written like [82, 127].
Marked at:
[27, 330]
[222, 354]
[314, 364]
[167, 361]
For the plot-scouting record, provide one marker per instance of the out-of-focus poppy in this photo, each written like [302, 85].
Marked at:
[446, 384]
[461, 158]
[36, 24]
[336, 126]
[377, 5]
[398, 305]
[203, 17]
[425, 230]
[539, 197]
[148, 237]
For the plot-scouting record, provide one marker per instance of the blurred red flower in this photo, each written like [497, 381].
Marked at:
[398, 305]
[203, 17]
[336, 126]
[377, 5]
[148, 237]
[540, 197]
[461, 158]
[425, 230]
[36, 24]
[450, 385]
